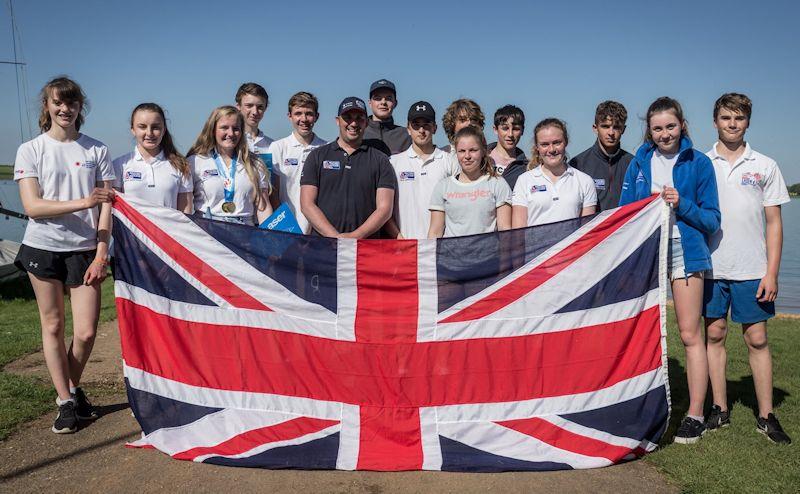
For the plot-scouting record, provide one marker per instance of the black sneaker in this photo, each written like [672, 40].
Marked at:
[771, 428]
[717, 418]
[690, 431]
[66, 421]
[84, 408]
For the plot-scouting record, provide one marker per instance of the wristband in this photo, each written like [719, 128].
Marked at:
[102, 262]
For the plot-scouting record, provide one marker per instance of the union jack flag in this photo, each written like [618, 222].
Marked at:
[533, 349]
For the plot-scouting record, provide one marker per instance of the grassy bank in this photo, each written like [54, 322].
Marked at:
[21, 397]
[737, 458]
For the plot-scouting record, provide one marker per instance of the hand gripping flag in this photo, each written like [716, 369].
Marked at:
[534, 349]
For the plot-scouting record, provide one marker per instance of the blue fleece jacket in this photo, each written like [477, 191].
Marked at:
[697, 214]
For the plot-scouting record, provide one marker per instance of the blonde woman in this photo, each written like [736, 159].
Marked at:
[230, 183]
[551, 190]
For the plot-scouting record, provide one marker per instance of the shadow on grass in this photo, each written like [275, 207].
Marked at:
[17, 288]
[744, 392]
[741, 391]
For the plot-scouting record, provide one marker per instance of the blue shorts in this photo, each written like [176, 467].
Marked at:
[740, 297]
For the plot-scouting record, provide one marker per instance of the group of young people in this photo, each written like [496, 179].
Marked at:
[381, 180]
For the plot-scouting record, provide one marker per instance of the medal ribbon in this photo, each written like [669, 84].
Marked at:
[229, 176]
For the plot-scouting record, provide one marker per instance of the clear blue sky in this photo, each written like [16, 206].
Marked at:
[550, 58]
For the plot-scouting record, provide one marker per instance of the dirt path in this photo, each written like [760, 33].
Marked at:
[95, 460]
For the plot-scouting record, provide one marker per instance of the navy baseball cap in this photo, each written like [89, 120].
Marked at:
[352, 103]
[380, 84]
[422, 109]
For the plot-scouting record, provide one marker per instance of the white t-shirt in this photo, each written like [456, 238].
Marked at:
[258, 144]
[416, 180]
[157, 181]
[288, 157]
[738, 248]
[549, 202]
[661, 166]
[470, 208]
[209, 190]
[66, 171]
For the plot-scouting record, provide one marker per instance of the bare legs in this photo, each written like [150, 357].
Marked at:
[66, 366]
[688, 296]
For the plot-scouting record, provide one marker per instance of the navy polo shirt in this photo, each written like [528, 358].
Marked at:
[347, 183]
[608, 173]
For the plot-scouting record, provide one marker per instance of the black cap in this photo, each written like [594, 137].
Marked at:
[352, 103]
[422, 109]
[380, 84]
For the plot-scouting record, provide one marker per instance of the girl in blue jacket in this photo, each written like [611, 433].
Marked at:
[667, 164]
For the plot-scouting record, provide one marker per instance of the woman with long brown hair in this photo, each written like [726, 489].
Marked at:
[154, 171]
[64, 181]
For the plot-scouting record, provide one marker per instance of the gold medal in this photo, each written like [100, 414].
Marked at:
[228, 207]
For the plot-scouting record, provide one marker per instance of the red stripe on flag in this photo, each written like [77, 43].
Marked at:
[549, 268]
[195, 266]
[291, 429]
[401, 374]
[389, 439]
[387, 291]
[567, 440]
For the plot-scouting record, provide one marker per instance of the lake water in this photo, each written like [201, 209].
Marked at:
[789, 289]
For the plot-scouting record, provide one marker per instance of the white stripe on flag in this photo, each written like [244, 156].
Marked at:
[212, 429]
[427, 289]
[207, 314]
[349, 437]
[502, 441]
[217, 398]
[347, 290]
[556, 405]
[431, 447]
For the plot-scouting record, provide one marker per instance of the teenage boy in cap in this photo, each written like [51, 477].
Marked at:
[347, 187]
[290, 153]
[606, 162]
[382, 100]
[418, 169]
[746, 260]
[509, 160]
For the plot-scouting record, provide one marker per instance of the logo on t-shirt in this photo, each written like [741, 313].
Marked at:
[538, 188]
[331, 165]
[500, 169]
[210, 173]
[600, 183]
[89, 164]
[132, 175]
[406, 176]
[752, 179]
[290, 162]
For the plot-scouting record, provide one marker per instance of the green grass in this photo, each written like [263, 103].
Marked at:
[737, 458]
[6, 172]
[23, 398]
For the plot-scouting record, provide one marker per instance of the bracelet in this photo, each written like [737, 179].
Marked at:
[102, 262]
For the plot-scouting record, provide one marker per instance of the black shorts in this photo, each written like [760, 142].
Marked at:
[66, 267]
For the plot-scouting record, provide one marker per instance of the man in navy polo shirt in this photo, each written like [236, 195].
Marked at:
[347, 187]
[382, 101]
